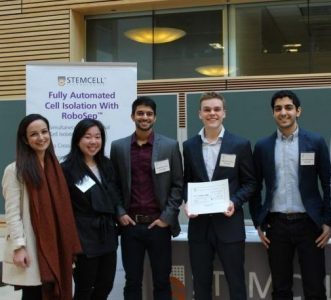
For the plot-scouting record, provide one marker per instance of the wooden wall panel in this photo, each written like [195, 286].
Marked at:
[10, 7]
[28, 34]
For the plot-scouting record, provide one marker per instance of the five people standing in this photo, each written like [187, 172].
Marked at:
[142, 187]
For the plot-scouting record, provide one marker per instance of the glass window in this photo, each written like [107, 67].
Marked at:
[283, 38]
[271, 38]
[201, 43]
[106, 42]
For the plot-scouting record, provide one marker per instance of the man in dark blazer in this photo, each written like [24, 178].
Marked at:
[294, 216]
[216, 154]
[148, 172]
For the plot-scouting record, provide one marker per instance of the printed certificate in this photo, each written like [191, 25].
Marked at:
[208, 197]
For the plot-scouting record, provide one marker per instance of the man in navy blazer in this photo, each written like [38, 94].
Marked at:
[216, 154]
[294, 216]
[148, 173]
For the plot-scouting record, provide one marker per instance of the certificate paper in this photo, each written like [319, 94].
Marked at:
[208, 197]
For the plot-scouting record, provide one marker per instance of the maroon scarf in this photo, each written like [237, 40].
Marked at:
[55, 230]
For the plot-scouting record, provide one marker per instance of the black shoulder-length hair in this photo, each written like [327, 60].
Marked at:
[27, 164]
[74, 160]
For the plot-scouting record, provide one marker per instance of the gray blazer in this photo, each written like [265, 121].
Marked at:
[167, 185]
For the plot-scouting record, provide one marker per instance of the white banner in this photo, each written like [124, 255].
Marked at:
[65, 93]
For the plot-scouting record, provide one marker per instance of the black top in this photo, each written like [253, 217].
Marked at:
[94, 210]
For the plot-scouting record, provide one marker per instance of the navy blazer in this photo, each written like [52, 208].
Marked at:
[242, 185]
[316, 205]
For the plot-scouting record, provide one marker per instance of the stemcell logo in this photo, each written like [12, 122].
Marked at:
[78, 80]
[61, 80]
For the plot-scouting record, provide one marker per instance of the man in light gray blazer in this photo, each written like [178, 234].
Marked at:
[149, 176]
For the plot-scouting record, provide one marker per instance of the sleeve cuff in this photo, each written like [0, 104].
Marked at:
[18, 243]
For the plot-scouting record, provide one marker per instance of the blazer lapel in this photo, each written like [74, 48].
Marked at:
[303, 147]
[226, 148]
[199, 157]
[127, 159]
[155, 151]
[270, 157]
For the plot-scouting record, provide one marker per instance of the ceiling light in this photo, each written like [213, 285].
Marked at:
[297, 45]
[211, 70]
[216, 45]
[292, 48]
[156, 35]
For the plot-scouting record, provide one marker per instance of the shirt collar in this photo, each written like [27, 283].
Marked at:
[149, 141]
[204, 139]
[290, 138]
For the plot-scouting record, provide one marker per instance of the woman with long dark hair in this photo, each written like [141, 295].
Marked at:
[41, 239]
[94, 198]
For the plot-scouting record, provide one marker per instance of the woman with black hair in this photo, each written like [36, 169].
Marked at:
[41, 239]
[94, 199]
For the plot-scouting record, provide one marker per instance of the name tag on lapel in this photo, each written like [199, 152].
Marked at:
[161, 166]
[228, 160]
[85, 184]
[307, 158]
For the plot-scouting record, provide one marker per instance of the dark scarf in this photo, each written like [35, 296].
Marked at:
[55, 230]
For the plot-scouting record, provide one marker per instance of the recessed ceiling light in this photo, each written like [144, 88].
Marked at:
[294, 45]
[211, 70]
[292, 50]
[216, 45]
[156, 35]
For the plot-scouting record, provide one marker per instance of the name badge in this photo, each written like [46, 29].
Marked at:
[162, 166]
[228, 160]
[307, 159]
[85, 184]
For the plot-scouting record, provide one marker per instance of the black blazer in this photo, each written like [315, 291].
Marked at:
[242, 185]
[94, 211]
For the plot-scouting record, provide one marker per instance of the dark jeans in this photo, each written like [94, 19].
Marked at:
[135, 241]
[287, 237]
[232, 258]
[31, 293]
[94, 277]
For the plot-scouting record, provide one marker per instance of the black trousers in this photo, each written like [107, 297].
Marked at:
[286, 238]
[135, 242]
[232, 258]
[94, 276]
[31, 293]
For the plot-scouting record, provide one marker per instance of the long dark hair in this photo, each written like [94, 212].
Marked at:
[74, 160]
[27, 164]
